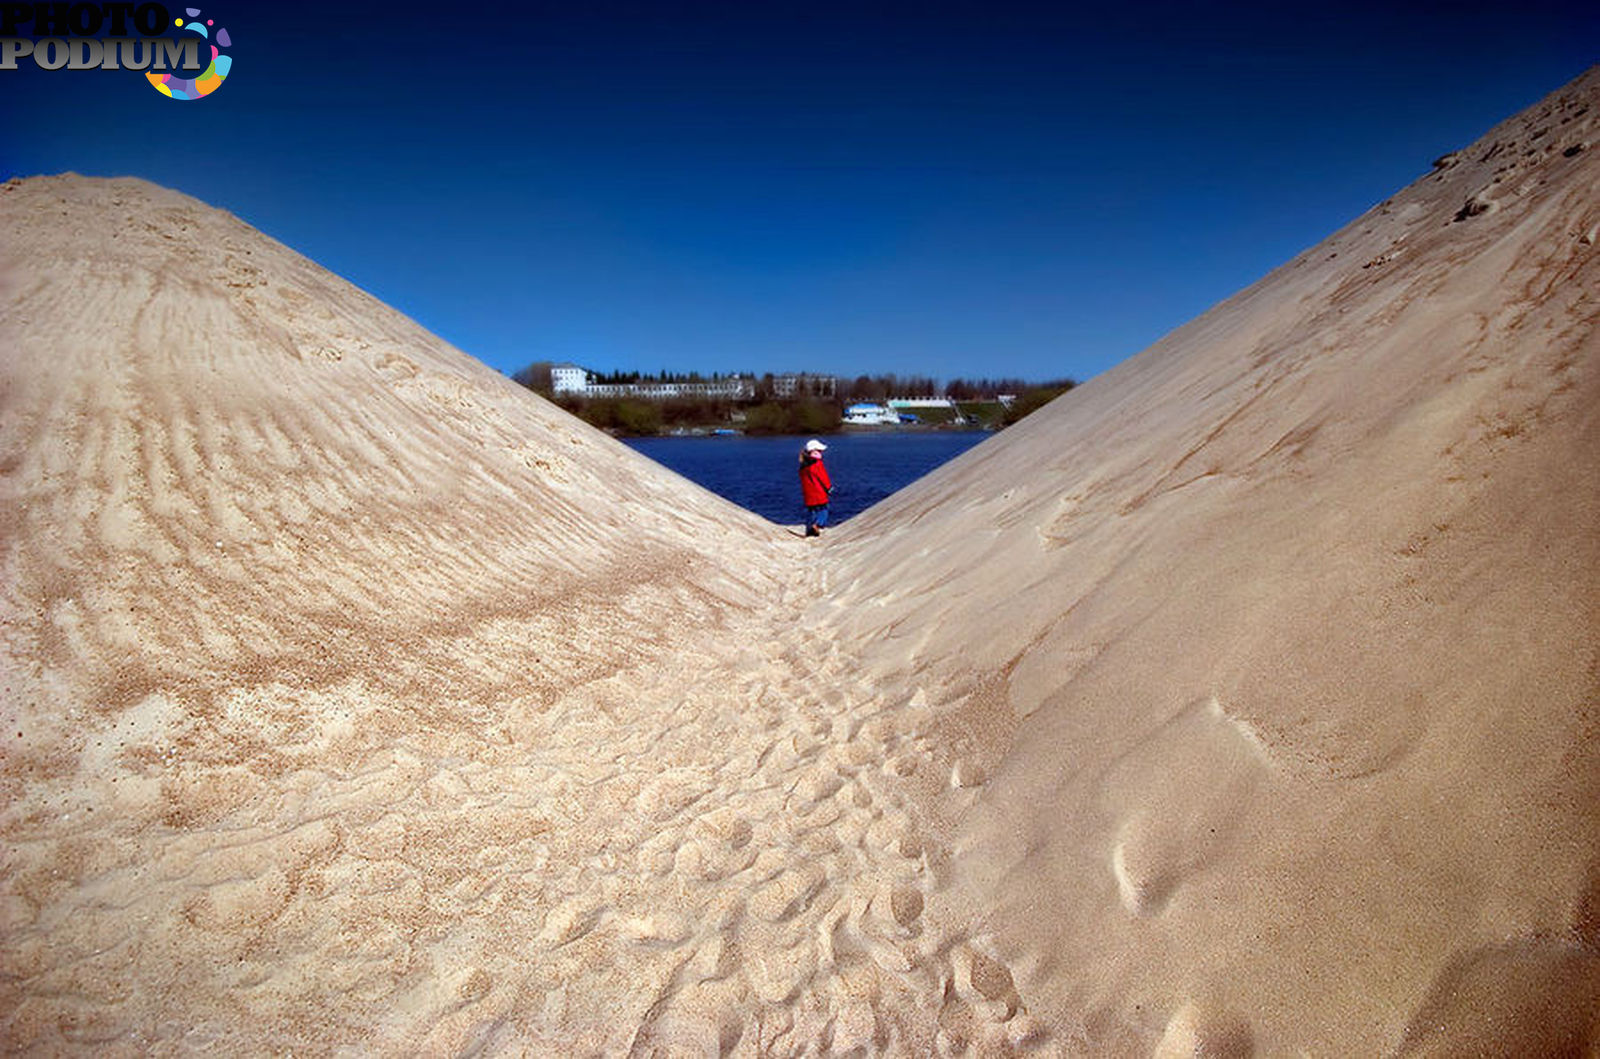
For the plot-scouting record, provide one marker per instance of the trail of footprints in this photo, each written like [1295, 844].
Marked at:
[777, 886]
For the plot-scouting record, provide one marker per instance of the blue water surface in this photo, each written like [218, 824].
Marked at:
[761, 473]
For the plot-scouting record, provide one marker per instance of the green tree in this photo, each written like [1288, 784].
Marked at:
[536, 377]
[638, 417]
[769, 417]
[816, 417]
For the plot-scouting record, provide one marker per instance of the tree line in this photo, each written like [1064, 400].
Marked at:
[640, 415]
[811, 409]
[880, 387]
[987, 389]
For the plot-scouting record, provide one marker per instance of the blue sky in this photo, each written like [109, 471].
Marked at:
[947, 189]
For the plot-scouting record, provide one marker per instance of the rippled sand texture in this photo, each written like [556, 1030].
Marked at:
[1277, 643]
[355, 700]
[356, 697]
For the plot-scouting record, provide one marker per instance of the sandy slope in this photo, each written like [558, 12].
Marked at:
[1277, 643]
[334, 663]
[1244, 699]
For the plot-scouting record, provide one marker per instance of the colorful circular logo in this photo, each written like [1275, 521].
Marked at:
[211, 79]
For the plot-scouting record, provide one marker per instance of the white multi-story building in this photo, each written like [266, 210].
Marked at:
[788, 384]
[575, 380]
[568, 378]
[735, 386]
[578, 381]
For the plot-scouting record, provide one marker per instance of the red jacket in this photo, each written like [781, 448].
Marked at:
[814, 482]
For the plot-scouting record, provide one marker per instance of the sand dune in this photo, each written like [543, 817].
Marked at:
[1243, 700]
[1278, 642]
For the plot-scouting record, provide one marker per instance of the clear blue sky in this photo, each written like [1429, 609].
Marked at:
[947, 189]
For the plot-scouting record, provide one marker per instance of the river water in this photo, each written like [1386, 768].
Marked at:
[760, 473]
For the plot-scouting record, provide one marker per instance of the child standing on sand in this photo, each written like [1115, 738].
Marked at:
[815, 485]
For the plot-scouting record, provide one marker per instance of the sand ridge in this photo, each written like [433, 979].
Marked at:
[1241, 701]
[357, 698]
[1293, 620]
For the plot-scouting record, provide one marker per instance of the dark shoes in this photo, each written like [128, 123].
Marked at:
[812, 531]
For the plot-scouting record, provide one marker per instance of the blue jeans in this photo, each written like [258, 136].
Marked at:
[816, 516]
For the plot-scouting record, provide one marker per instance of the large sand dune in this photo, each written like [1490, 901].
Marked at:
[1242, 700]
[1277, 644]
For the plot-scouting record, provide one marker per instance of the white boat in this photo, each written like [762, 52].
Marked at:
[865, 414]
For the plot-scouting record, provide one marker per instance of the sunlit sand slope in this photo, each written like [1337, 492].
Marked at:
[343, 679]
[355, 699]
[1261, 671]
[224, 462]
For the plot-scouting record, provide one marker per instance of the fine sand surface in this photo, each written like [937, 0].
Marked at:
[1243, 701]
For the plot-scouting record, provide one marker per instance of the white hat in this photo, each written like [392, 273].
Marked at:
[815, 446]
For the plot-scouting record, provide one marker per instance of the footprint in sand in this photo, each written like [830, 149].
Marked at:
[727, 827]
[671, 792]
[1145, 879]
[984, 983]
[777, 975]
[1170, 829]
[788, 894]
[905, 904]
[982, 1010]
[570, 921]
[719, 845]
[815, 786]
[1193, 1031]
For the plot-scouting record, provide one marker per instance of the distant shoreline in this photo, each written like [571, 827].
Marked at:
[847, 428]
